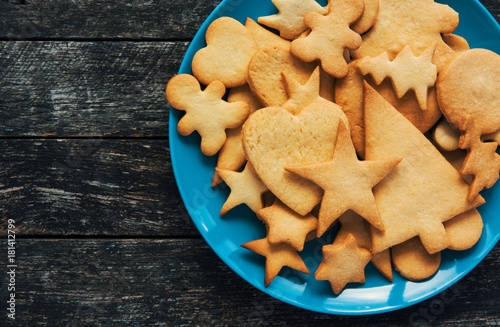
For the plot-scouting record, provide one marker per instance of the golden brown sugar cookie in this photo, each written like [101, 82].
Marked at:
[349, 95]
[231, 155]
[286, 226]
[302, 95]
[392, 30]
[330, 35]
[368, 17]
[290, 19]
[273, 139]
[265, 74]
[445, 136]
[277, 256]
[470, 85]
[382, 262]
[456, 42]
[352, 223]
[481, 161]
[264, 37]
[464, 230]
[343, 263]
[206, 112]
[413, 262]
[406, 72]
[408, 105]
[225, 58]
[347, 182]
[402, 198]
[471, 105]
[246, 187]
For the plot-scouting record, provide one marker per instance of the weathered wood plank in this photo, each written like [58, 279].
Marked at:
[91, 187]
[86, 88]
[181, 282]
[93, 19]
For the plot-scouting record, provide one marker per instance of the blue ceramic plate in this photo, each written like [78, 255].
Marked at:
[194, 172]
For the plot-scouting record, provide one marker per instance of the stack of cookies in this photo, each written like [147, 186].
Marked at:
[366, 113]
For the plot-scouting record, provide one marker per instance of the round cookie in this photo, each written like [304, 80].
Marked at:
[470, 85]
[413, 261]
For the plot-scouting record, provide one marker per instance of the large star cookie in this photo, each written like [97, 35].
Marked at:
[347, 182]
[277, 256]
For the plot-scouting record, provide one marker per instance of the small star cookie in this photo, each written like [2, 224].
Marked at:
[343, 263]
[277, 256]
[206, 112]
[246, 187]
[286, 226]
[290, 19]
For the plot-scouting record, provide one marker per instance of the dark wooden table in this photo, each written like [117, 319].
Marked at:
[86, 183]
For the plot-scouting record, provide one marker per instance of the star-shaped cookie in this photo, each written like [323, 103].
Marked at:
[343, 263]
[246, 187]
[301, 95]
[277, 256]
[286, 226]
[290, 19]
[347, 182]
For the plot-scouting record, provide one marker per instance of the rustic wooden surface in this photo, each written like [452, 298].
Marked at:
[103, 236]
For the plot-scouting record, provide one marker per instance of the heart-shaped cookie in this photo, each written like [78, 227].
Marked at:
[273, 139]
[225, 58]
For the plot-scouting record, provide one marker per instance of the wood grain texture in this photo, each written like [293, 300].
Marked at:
[93, 19]
[181, 282]
[91, 187]
[132, 19]
[86, 88]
